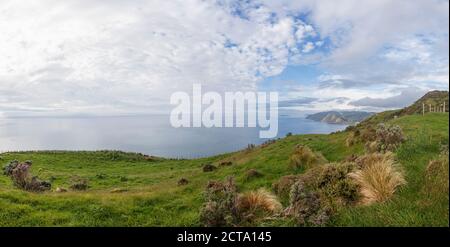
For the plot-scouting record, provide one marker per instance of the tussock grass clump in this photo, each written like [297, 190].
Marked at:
[378, 178]
[304, 157]
[351, 139]
[256, 204]
[368, 134]
[220, 208]
[371, 147]
[367, 159]
[437, 176]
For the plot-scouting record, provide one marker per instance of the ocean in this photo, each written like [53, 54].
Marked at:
[152, 135]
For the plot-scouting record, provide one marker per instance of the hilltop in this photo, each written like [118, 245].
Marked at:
[434, 99]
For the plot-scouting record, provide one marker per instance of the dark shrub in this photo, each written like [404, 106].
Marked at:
[8, 169]
[79, 184]
[289, 134]
[306, 206]
[333, 182]
[220, 207]
[368, 134]
[252, 173]
[225, 163]
[183, 181]
[21, 177]
[209, 168]
[283, 186]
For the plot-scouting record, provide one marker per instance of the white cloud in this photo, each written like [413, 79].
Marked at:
[122, 56]
[129, 56]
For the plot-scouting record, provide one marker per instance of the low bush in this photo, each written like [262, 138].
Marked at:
[283, 186]
[252, 173]
[389, 137]
[22, 178]
[304, 157]
[79, 183]
[226, 163]
[208, 168]
[306, 206]
[378, 178]
[220, 208]
[183, 181]
[333, 182]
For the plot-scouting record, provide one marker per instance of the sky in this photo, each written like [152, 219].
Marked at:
[93, 57]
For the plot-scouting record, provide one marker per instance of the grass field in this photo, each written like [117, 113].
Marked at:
[131, 190]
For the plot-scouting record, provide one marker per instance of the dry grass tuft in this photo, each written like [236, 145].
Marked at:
[304, 157]
[378, 178]
[259, 201]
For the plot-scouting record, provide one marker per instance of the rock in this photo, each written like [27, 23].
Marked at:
[118, 190]
[60, 190]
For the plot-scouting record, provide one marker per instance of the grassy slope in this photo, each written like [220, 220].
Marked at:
[154, 199]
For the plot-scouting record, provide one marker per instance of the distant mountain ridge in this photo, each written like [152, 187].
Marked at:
[340, 117]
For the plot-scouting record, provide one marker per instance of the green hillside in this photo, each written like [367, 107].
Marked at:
[135, 190]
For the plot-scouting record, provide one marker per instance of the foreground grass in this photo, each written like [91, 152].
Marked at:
[128, 190]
